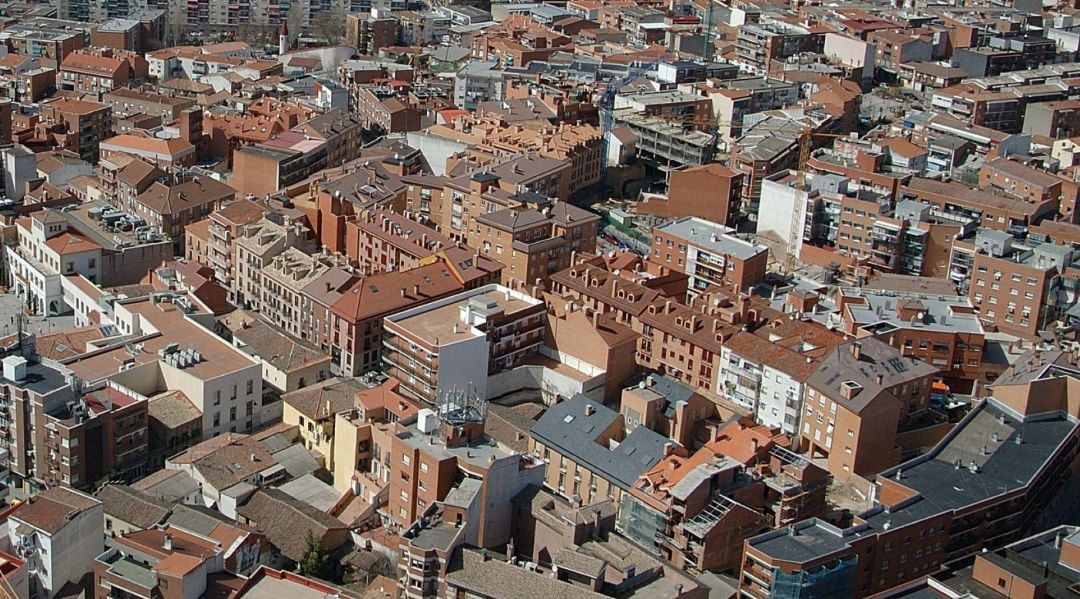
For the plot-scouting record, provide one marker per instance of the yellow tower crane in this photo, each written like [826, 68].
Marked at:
[805, 142]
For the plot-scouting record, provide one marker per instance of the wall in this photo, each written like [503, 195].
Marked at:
[76, 545]
[552, 384]
[776, 205]
[464, 365]
[435, 149]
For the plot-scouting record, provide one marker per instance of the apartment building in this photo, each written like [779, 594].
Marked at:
[895, 48]
[123, 177]
[588, 454]
[454, 344]
[95, 74]
[686, 342]
[1015, 179]
[765, 372]
[381, 240]
[368, 33]
[710, 255]
[923, 513]
[170, 155]
[170, 209]
[385, 114]
[176, 353]
[694, 510]
[533, 243]
[28, 384]
[529, 181]
[1014, 288]
[342, 197]
[102, 435]
[286, 160]
[681, 341]
[430, 456]
[1057, 120]
[356, 316]
[685, 198]
[492, 137]
[283, 280]
[219, 249]
[58, 533]
[256, 244]
[48, 38]
[342, 131]
[1045, 560]
[859, 397]
[78, 126]
[991, 209]
[758, 44]
[944, 331]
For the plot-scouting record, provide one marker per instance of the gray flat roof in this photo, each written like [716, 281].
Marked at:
[881, 307]
[713, 237]
[944, 487]
[40, 379]
[940, 486]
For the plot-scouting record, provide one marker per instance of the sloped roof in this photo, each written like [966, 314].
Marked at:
[287, 521]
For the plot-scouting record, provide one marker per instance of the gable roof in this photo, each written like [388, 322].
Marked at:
[286, 521]
[51, 510]
[134, 507]
[572, 428]
[165, 199]
[387, 292]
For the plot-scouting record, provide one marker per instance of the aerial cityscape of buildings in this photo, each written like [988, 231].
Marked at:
[636, 299]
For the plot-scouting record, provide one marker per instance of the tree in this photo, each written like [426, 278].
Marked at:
[329, 25]
[315, 562]
[295, 18]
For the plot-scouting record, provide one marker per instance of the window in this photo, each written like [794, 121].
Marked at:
[405, 459]
[250, 386]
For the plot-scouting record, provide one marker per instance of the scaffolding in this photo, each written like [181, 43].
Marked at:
[717, 508]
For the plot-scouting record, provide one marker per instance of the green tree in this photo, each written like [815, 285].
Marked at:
[315, 562]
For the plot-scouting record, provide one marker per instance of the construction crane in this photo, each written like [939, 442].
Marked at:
[706, 52]
[805, 146]
[606, 104]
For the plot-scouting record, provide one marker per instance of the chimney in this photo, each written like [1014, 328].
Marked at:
[856, 349]
[166, 543]
[589, 409]
[754, 444]
[880, 378]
